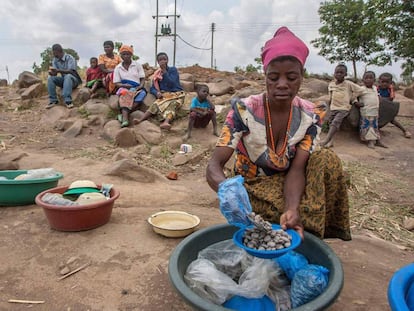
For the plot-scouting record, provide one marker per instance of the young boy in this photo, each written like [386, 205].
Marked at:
[201, 111]
[343, 93]
[369, 107]
[386, 92]
[94, 76]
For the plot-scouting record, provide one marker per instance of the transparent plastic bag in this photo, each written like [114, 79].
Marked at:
[40, 173]
[308, 283]
[57, 199]
[227, 257]
[234, 201]
[204, 278]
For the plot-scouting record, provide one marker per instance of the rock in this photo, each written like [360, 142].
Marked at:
[129, 170]
[113, 102]
[74, 130]
[33, 91]
[183, 158]
[9, 161]
[251, 90]
[141, 149]
[95, 108]
[110, 130]
[81, 96]
[409, 92]
[172, 175]
[187, 77]
[52, 115]
[95, 120]
[125, 137]
[3, 82]
[64, 270]
[27, 79]
[121, 155]
[409, 224]
[188, 86]
[148, 132]
[63, 125]
[220, 88]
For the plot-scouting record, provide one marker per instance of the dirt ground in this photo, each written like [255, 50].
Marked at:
[128, 262]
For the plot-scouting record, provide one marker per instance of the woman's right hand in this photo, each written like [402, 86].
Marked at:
[159, 95]
[290, 219]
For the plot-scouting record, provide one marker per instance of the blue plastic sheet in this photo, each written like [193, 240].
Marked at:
[291, 263]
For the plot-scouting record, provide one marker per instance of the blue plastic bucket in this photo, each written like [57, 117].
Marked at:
[401, 289]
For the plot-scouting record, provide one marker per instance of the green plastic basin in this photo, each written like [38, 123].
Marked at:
[314, 249]
[23, 192]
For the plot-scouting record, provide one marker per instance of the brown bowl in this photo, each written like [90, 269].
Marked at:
[77, 218]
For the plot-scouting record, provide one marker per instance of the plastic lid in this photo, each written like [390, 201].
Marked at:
[80, 190]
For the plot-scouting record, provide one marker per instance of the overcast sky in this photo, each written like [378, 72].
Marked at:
[28, 27]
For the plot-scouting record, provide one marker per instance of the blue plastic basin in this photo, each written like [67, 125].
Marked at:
[314, 249]
[401, 289]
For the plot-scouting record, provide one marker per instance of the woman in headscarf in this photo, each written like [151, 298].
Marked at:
[129, 78]
[107, 63]
[276, 139]
[168, 92]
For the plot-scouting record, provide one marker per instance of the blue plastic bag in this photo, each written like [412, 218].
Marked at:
[240, 303]
[234, 201]
[291, 263]
[307, 284]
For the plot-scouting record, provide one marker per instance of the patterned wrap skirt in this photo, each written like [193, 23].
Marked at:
[324, 207]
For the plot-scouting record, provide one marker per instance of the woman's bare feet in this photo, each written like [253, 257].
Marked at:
[380, 144]
[371, 144]
[407, 134]
[165, 126]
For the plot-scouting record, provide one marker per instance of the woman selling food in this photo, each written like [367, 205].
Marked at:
[275, 136]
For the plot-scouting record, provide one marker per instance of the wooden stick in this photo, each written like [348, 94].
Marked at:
[26, 301]
[74, 271]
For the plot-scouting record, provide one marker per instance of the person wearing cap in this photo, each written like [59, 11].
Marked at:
[107, 62]
[129, 78]
[275, 136]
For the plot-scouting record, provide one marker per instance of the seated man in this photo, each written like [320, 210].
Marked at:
[69, 79]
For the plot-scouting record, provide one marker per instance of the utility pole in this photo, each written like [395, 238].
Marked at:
[166, 30]
[213, 28]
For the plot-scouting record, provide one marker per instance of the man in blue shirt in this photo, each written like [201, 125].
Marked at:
[65, 65]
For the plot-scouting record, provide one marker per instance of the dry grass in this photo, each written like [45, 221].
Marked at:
[379, 203]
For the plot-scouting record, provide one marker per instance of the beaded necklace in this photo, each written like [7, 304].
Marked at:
[269, 123]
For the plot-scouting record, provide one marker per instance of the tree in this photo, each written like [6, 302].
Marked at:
[349, 33]
[397, 29]
[47, 57]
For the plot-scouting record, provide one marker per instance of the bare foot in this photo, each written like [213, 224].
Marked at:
[407, 134]
[165, 126]
[371, 144]
[215, 133]
[186, 137]
[329, 144]
[136, 121]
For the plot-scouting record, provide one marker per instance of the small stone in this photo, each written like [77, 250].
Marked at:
[409, 224]
[65, 270]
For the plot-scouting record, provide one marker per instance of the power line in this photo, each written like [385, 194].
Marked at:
[195, 47]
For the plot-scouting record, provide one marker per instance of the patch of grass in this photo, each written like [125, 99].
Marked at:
[83, 112]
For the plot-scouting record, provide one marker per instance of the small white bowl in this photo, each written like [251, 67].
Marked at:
[173, 224]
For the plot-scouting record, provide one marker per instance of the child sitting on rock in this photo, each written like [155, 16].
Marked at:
[201, 111]
[386, 92]
[94, 76]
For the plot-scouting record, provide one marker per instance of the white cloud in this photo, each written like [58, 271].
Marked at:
[27, 28]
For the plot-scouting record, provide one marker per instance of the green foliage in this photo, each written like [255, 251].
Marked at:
[349, 33]
[47, 57]
[117, 46]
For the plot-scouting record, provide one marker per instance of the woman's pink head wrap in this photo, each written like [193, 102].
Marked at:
[284, 43]
[126, 48]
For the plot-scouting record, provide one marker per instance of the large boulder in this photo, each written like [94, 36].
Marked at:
[27, 79]
[33, 91]
[409, 92]
[3, 82]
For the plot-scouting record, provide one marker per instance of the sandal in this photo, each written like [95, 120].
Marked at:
[125, 124]
[120, 118]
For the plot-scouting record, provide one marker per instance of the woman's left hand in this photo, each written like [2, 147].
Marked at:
[290, 219]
